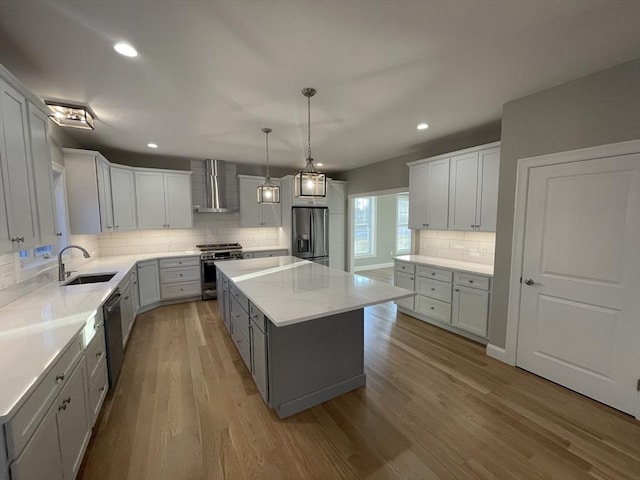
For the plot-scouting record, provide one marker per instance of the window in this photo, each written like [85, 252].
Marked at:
[36, 257]
[403, 234]
[364, 227]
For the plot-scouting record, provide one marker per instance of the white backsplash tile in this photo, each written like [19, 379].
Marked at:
[476, 247]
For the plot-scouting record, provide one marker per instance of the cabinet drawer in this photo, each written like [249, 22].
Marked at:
[242, 342]
[274, 253]
[240, 297]
[179, 274]
[435, 273]
[240, 317]
[404, 267]
[471, 280]
[92, 326]
[179, 262]
[434, 289]
[96, 353]
[258, 318]
[26, 420]
[98, 391]
[177, 290]
[432, 308]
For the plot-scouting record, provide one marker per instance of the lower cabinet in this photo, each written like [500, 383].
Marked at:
[280, 252]
[258, 342]
[180, 277]
[458, 301]
[148, 283]
[127, 308]
[57, 446]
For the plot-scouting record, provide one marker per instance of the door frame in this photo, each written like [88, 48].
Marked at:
[517, 246]
[350, 231]
[508, 354]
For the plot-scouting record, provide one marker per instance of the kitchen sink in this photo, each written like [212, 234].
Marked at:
[90, 278]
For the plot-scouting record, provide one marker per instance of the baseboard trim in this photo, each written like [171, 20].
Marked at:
[498, 353]
[373, 267]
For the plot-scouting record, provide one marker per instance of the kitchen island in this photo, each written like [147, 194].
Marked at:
[299, 326]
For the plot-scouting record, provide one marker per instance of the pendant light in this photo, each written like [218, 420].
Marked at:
[309, 182]
[268, 192]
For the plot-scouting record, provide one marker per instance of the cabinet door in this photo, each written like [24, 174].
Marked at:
[42, 175]
[124, 198]
[15, 159]
[250, 209]
[405, 280]
[418, 196]
[73, 424]
[259, 360]
[463, 192]
[437, 206]
[470, 310]
[40, 459]
[150, 200]
[271, 212]
[148, 283]
[177, 194]
[105, 203]
[338, 196]
[336, 241]
[126, 317]
[487, 203]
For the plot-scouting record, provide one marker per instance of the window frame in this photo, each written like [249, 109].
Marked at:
[372, 227]
[400, 197]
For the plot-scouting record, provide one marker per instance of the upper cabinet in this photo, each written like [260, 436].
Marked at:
[429, 194]
[123, 196]
[20, 230]
[105, 197]
[456, 191]
[252, 213]
[163, 200]
[337, 196]
[473, 190]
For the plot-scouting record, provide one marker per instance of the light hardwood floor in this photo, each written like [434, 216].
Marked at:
[435, 406]
[382, 274]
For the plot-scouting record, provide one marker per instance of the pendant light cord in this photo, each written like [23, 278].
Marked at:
[309, 124]
[267, 142]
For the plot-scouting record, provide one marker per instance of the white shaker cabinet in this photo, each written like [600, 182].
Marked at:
[163, 199]
[470, 309]
[429, 195]
[337, 203]
[20, 230]
[148, 283]
[123, 195]
[42, 174]
[473, 190]
[252, 213]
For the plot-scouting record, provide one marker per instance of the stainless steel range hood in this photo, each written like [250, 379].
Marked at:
[216, 188]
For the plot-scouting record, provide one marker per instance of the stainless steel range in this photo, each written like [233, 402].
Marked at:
[211, 253]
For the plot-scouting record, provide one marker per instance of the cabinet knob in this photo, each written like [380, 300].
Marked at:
[67, 400]
[410, 278]
[59, 378]
[433, 273]
[432, 308]
[98, 355]
[433, 289]
[59, 234]
[62, 407]
[101, 389]
[457, 290]
[470, 281]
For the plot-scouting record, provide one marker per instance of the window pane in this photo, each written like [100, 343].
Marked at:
[403, 233]
[363, 227]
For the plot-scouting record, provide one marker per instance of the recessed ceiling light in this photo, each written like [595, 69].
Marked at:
[320, 164]
[152, 145]
[423, 126]
[125, 49]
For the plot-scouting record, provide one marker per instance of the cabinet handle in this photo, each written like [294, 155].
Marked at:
[470, 281]
[410, 278]
[433, 273]
[126, 298]
[432, 308]
[62, 407]
[98, 355]
[117, 226]
[457, 290]
[59, 378]
[59, 234]
[67, 400]
[101, 389]
[433, 289]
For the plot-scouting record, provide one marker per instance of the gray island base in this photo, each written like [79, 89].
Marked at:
[298, 326]
[315, 361]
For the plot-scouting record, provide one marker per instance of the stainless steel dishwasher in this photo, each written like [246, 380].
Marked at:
[113, 333]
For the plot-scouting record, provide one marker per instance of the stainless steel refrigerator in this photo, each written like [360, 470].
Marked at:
[310, 234]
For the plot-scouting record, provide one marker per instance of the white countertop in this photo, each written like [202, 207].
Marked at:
[36, 328]
[446, 263]
[290, 290]
[263, 249]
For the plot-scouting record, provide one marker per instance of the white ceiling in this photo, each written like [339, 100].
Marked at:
[211, 74]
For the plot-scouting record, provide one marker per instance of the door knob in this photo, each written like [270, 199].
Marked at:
[530, 282]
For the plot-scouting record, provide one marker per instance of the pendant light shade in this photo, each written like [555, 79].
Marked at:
[268, 192]
[309, 182]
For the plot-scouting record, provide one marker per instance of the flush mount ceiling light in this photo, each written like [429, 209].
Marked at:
[268, 192]
[309, 182]
[152, 145]
[125, 49]
[66, 115]
[423, 126]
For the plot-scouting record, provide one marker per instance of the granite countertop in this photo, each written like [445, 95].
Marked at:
[36, 328]
[290, 290]
[458, 265]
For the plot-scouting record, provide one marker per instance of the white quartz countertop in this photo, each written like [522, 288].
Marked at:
[290, 290]
[446, 263]
[263, 249]
[36, 328]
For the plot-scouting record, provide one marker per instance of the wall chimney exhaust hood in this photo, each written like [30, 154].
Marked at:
[216, 188]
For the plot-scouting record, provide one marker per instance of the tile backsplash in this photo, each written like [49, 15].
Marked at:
[207, 228]
[476, 247]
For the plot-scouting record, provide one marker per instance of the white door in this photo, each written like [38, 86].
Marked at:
[418, 196]
[487, 202]
[105, 202]
[463, 191]
[437, 195]
[580, 302]
[150, 200]
[123, 194]
[177, 193]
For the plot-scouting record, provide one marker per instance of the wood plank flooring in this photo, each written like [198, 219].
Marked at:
[382, 274]
[435, 406]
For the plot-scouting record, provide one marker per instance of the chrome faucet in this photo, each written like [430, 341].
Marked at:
[61, 272]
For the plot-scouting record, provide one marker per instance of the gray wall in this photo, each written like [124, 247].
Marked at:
[595, 110]
[394, 173]
[385, 232]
